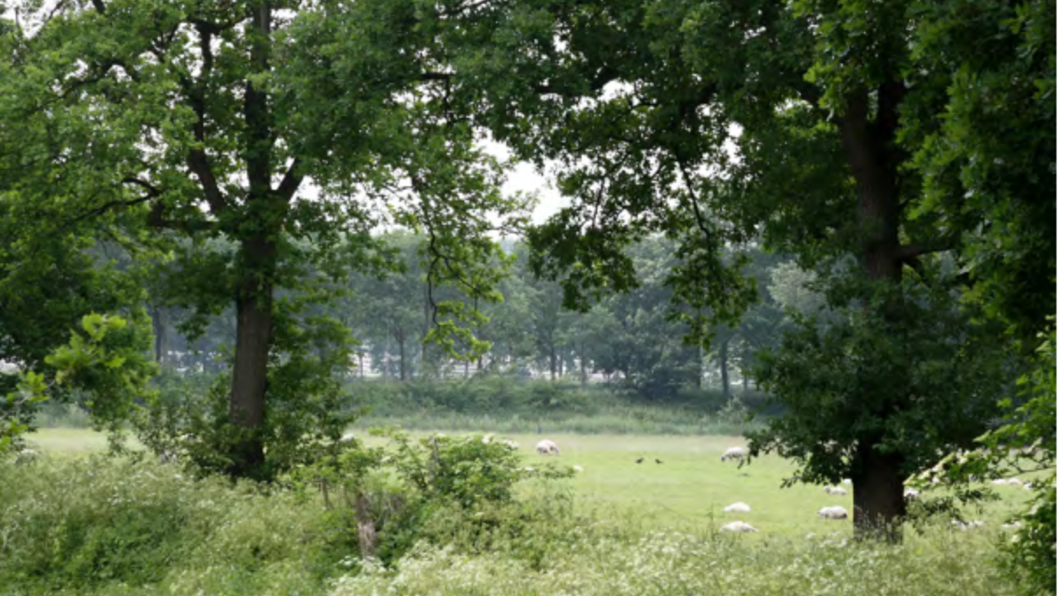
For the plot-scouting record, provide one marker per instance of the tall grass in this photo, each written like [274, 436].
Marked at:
[672, 563]
[105, 526]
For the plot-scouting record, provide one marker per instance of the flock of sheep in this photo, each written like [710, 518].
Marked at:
[740, 454]
[831, 512]
[548, 447]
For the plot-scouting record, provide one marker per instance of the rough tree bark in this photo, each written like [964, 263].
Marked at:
[879, 504]
[254, 320]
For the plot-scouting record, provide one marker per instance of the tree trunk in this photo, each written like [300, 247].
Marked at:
[723, 361]
[743, 376]
[260, 222]
[552, 364]
[879, 505]
[699, 365]
[160, 322]
[879, 494]
[254, 319]
[402, 367]
[581, 366]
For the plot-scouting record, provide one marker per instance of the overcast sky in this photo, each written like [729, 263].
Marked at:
[525, 178]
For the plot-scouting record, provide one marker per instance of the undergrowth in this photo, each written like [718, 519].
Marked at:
[112, 526]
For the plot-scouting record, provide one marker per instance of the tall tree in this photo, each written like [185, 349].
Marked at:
[715, 122]
[207, 118]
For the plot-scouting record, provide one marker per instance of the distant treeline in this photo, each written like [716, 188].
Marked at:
[629, 341]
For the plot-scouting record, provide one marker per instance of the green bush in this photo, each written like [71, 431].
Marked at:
[437, 489]
[101, 524]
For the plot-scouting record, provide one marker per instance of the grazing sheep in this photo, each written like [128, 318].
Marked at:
[999, 481]
[547, 447]
[25, 456]
[833, 512]
[1015, 481]
[737, 453]
[347, 438]
[835, 490]
[738, 526]
[738, 507]
[847, 481]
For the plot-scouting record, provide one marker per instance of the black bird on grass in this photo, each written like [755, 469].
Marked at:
[639, 461]
[658, 461]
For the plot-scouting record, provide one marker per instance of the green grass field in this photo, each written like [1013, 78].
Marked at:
[688, 490]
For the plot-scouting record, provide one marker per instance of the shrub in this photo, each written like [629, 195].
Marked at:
[106, 524]
[437, 489]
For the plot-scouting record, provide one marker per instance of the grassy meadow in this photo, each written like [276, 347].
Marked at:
[688, 490]
[74, 522]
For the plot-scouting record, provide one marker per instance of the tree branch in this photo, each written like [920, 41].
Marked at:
[112, 204]
[200, 166]
[908, 252]
[291, 181]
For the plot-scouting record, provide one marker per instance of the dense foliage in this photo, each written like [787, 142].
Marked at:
[883, 171]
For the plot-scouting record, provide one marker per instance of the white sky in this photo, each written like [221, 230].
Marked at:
[524, 177]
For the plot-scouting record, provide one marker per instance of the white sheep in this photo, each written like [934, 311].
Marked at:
[835, 490]
[738, 526]
[25, 456]
[833, 512]
[911, 493]
[999, 481]
[347, 438]
[738, 507]
[847, 481]
[737, 453]
[1015, 481]
[547, 447]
